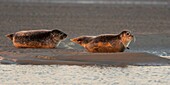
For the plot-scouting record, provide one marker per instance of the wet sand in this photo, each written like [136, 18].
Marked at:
[100, 59]
[149, 23]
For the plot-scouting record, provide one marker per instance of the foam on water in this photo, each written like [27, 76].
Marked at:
[159, 52]
[156, 53]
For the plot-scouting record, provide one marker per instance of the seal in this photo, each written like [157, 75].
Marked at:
[37, 38]
[106, 42]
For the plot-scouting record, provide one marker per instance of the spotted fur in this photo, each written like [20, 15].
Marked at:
[105, 42]
[37, 38]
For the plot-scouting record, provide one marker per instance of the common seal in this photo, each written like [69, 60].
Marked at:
[37, 38]
[105, 42]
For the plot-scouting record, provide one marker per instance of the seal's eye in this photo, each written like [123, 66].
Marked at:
[127, 33]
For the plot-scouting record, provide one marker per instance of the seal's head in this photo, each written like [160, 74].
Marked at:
[58, 35]
[126, 37]
[82, 40]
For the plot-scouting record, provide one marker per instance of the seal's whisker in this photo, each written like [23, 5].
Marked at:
[134, 39]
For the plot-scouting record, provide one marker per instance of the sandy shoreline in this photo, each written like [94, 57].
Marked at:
[150, 25]
[106, 59]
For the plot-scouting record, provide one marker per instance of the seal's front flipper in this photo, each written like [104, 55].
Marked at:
[127, 47]
[10, 36]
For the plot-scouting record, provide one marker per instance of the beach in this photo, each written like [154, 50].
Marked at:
[78, 75]
[148, 20]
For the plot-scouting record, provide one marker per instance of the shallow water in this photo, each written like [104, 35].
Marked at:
[88, 75]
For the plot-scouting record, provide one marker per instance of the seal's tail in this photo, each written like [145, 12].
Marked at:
[82, 39]
[10, 36]
[75, 40]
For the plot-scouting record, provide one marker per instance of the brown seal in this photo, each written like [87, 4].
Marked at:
[37, 38]
[105, 42]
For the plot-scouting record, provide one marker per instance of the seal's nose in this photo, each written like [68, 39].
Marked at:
[63, 36]
[132, 35]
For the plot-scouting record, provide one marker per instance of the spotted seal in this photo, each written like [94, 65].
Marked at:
[105, 42]
[37, 38]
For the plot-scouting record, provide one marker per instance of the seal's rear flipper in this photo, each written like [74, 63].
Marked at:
[10, 36]
[76, 40]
